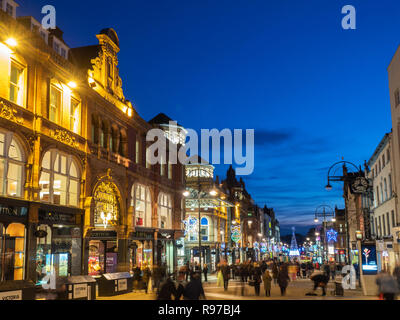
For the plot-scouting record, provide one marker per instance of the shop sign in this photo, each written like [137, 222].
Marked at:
[142, 235]
[103, 234]
[122, 285]
[13, 211]
[165, 235]
[11, 295]
[56, 217]
[80, 291]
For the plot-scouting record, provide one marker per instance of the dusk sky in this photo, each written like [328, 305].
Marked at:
[313, 92]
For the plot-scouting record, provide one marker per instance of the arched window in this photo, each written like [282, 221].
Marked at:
[141, 201]
[59, 179]
[12, 163]
[164, 211]
[204, 229]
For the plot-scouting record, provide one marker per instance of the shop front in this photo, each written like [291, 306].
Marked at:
[13, 240]
[141, 248]
[166, 250]
[103, 252]
[58, 243]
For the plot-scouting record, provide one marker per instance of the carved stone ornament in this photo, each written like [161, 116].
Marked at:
[64, 137]
[10, 113]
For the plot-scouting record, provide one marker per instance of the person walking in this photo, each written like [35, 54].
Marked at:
[194, 289]
[136, 278]
[388, 286]
[226, 275]
[205, 271]
[333, 270]
[220, 277]
[257, 279]
[283, 279]
[167, 290]
[267, 279]
[157, 278]
[146, 278]
[275, 273]
[180, 285]
[320, 279]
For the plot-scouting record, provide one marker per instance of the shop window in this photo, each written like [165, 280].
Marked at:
[142, 203]
[164, 211]
[17, 86]
[102, 257]
[60, 179]
[169, 171]
[12, 252]
[137, 151]
[11, 165]
[204, 229]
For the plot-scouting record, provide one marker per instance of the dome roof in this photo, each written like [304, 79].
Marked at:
[110, 32]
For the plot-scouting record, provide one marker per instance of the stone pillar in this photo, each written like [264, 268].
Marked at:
[30, 254]
[122, 242]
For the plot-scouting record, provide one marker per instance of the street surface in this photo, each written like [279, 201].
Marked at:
[296, 291]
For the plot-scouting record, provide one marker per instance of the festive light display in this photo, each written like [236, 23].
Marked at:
[191, 225]
[236, 233]
[331, 235]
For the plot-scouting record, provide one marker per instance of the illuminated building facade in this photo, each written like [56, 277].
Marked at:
[78, 195]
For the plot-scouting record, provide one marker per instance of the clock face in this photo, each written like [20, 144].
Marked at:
[360, 184]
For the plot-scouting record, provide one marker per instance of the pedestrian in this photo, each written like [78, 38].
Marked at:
[136, 278]
[267, 279]
[257, 278]
[333, 270]
[194, 289]
[303, 267]
[320, 279]
[283, 279]
[146, 278]
[187, 270]
[167, 290]
[205, 271]
[388, 287]
[180, 285]
[220, 277]
[226, 275]
[396, 274]
[275, 273]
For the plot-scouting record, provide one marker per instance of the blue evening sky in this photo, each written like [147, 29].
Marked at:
[313, 92]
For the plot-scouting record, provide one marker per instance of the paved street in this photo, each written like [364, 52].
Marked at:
[296, 290]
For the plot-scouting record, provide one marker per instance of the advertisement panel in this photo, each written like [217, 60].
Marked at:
[369, 261]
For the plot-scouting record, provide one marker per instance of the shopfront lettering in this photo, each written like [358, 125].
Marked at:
[11, 295]
[13, 211]
[103, 234]
[142, 235]
[56, 217]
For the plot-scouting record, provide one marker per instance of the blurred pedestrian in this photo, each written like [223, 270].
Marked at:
[267, 279]
[320, 279]
[136, 278]
[167, 290]
[388, 287]
[180, 285]
[205, 271]
[283, 279]
[226, 275]
[146, 278]
[194, 289]
[275, 273]
[257, 278]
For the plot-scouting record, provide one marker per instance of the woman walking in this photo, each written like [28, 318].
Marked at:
[267, 279]
[257, 279]
[283, 279]
[275, 273]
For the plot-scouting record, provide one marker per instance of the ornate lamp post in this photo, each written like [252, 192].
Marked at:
[324, 215]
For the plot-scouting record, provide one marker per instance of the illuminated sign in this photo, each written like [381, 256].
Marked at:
[368, 256]
[236, 233]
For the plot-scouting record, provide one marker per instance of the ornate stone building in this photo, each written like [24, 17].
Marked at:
[78, 195]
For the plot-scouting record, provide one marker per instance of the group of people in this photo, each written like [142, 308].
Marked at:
[388, 284]
[255, 274]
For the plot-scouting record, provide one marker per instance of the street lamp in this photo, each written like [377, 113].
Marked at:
[323, 215]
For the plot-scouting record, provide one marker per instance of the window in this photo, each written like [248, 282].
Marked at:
[380, 226]
[95, 130]
[373, 173]
[59, 179]
[397, 97]
[376, 226]
[386, 191]
[56, 47]
[388, 155]
[55, 104]
[164, 211]
[63, 53]
[388, 223]
[390, 186]
[148, 165]
[74, 116]
[204, 229]
[141, 201]
[380, 166]
[169, 171]
[162, 166]
[10, 10]
[12, 252]
[377, 196]
[384, 225]
[16, 83]
[12, 166]
[383, 161]
[137, 151]
[381, 193]
[103, 141]
[393, 219]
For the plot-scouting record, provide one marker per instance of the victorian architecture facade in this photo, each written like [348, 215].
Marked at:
[79, 195]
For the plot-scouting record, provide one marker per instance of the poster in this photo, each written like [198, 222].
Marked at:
[368, 256]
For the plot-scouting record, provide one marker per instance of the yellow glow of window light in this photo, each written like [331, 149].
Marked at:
[129, 113]
[11, 42]
[72, 84]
